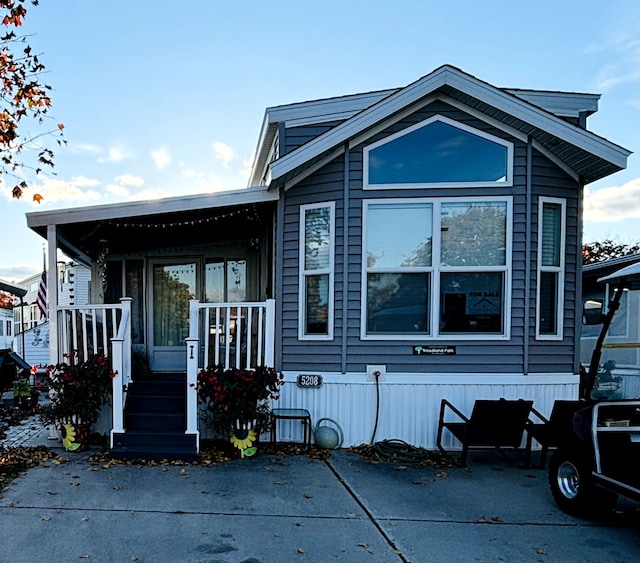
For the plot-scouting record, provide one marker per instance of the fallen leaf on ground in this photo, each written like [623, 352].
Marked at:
[362, 544]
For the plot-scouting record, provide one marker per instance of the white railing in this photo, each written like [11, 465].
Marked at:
[85, 330]
[240, 335]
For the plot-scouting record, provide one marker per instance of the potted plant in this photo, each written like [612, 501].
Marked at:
[78, 391]
[236, 402]
[22, 394]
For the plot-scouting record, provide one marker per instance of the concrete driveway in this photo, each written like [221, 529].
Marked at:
[273, 509]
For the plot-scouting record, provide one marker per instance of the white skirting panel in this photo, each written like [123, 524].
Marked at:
[410, 403]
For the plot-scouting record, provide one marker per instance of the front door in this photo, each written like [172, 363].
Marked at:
[173, 284]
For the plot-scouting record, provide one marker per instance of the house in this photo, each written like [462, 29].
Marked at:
[6, 328]
[410, 244]
[622, 345]
[30, 327]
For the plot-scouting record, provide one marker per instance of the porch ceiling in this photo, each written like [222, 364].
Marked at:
[123, 235]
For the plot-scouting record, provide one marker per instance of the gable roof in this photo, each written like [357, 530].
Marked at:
[588, 155]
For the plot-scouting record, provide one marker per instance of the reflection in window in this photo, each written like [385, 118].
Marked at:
[398, 303]
[226, 281]
[316, 271]
[471, 303]
[439, 151]
[474, 234]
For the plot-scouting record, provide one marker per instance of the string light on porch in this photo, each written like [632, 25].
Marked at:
[248, 212]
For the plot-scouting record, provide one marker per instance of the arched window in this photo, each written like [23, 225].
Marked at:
[438, 152]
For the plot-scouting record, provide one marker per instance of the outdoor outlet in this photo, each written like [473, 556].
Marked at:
[379, 371]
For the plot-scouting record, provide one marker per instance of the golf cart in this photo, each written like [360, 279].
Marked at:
[599, 457]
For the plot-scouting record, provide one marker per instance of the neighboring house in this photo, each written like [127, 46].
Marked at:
[6, 328]
[430, 234]
[622, 345]
[30, 327]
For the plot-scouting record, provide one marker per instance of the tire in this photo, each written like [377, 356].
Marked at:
[573, 487]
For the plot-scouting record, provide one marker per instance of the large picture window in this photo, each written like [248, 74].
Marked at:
[317, 227]
[436, 268]
[551, 236]
[438, 152]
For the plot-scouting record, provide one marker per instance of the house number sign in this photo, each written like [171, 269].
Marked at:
[309, 381]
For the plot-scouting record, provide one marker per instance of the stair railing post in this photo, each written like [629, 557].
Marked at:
[269, 333]
[193, 350]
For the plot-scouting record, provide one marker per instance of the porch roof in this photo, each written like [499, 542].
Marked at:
[158, 223]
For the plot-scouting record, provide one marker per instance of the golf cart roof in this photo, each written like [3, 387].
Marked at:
[630, 273]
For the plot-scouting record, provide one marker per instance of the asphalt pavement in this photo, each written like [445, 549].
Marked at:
[296, 509]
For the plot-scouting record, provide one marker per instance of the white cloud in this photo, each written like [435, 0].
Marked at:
[76, 189]
[616, 57]
[84, 147]
[223, 152]
[130, 180]
[614, 203]
[161, 157]
[117, 189]
[247, 165]
[115, 154]
[147, 194]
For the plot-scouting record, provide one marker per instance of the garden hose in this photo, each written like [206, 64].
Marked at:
[400, 451]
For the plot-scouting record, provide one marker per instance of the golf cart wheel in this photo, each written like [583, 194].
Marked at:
[573, 488]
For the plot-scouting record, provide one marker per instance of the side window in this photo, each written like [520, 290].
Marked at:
[316, 262]
[551, 243]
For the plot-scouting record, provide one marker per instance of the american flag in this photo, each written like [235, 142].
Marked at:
[41, 300]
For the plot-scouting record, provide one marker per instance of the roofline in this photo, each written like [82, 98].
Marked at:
[151, 207]
[611, 263]
[455, 78]
[13, 288]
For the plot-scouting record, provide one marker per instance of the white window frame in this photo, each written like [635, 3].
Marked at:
[303, 272]
[436, 269]
[509, 146]
[559, 270]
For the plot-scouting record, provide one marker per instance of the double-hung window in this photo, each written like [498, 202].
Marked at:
[437, 268]
[551, 237]
[317, 232]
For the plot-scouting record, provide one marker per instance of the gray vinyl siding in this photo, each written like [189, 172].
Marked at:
[473, 356]
[298, 136]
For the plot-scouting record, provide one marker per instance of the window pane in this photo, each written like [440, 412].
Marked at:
[236, 281]
[548, 302]
[435, 153]
[399, 235]
[317, 304]
[474, 234]
[398, 303]
[214, 282]
[316, 238]
[551, 233]
[471, 302]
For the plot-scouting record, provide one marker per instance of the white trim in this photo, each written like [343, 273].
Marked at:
[559, 270]
[303, 272]
[308, 171]
[436, 269]
[425, 123]
[407, 378]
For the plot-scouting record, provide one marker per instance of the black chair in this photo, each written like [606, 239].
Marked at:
[550, 432]
[493, 424]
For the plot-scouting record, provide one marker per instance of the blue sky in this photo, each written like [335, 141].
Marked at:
[163, 98]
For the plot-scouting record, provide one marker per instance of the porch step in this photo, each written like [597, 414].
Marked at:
[155, 421]
[154, 445]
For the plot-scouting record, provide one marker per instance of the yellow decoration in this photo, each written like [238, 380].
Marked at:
[245, 439]
[69, 437]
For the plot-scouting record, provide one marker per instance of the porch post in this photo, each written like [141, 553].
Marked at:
[52, 293]
[269, 333]
[193, 350]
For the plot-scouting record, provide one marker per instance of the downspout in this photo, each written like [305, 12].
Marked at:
[527, 259]
[52, 293]
[345, 258]
[279, 265]
[578, 313]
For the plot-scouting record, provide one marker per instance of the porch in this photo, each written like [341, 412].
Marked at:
[159, 417]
